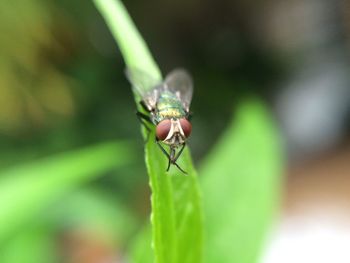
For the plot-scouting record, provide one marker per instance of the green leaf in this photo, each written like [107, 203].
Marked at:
[176, 211]
[241, 183]
[26, 189]
[140, 249]
[176, 214]
[130, 42]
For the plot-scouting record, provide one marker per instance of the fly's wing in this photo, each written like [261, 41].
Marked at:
[146, 87]
[180, 83]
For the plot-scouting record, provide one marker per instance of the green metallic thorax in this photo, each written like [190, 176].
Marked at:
[168, 106]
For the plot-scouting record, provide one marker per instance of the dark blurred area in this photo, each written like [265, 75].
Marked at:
[62, 87]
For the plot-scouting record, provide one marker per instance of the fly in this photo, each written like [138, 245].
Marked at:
[168, 105]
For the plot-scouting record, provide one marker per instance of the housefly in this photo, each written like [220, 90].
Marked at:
[168, 105]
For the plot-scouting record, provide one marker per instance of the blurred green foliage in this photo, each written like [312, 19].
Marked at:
[241, 186]
[26, 189]
[62, 91]
[32, 88]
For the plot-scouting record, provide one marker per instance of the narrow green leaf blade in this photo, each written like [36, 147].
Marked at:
[241, 180]
[140, 250]
[130, 42]
[176, 210]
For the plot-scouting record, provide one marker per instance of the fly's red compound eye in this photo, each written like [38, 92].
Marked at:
[186, 127]
[163, 129]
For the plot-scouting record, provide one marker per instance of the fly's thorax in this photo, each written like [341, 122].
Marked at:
[169, 106]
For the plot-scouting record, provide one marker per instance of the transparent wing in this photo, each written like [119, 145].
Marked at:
[144, 86]
[180, 83]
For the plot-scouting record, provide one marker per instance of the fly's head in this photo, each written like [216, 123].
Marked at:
[173, 132]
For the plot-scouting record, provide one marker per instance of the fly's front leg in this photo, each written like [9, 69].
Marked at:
[165, 152]
[179, 153]
[177, 156]
[173, 158]
[178, 167]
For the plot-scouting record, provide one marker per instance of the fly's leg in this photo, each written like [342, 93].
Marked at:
[189, 115]
[165, 152]
[171, 158]
[178, 167]
[169, 163]
[145, 120]
[177, 156]
[180, 152]
[142, 103]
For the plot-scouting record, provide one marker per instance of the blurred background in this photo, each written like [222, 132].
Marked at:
[62, 88]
